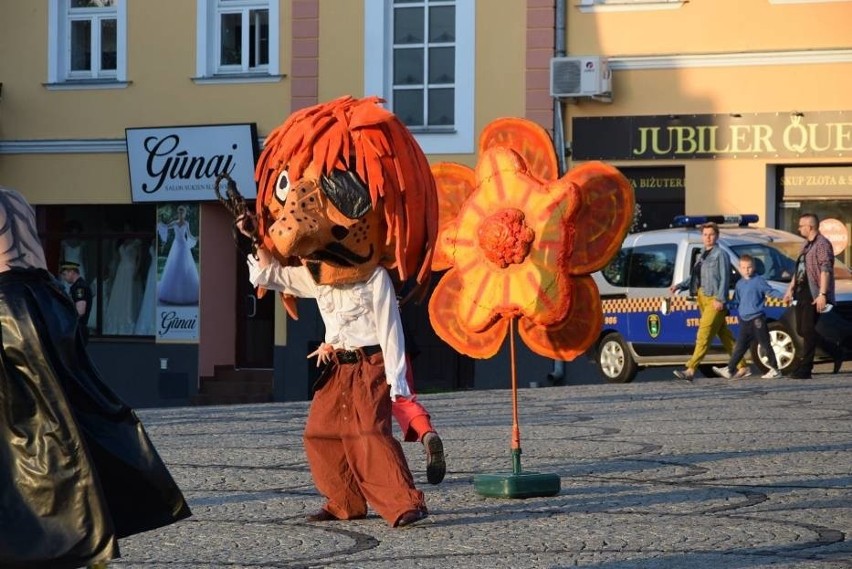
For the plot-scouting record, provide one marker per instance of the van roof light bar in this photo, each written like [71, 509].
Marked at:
[695, 220]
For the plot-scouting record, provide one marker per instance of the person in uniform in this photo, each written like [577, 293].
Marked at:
[80, 293]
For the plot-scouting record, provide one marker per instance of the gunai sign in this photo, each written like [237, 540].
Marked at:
[181, 163]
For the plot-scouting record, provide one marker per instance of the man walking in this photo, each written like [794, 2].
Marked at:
[812, 288]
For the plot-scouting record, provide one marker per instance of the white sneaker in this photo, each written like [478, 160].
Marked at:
[771, 374]
[722, 372]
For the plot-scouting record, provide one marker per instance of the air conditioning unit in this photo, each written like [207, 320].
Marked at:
[581, 76]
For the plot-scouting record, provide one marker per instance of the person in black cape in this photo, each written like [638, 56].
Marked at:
[77, 470]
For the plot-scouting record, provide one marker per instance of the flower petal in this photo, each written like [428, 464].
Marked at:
[605, 215]
[443, 314]
[455, 183]
[529, 139]
[576, 333]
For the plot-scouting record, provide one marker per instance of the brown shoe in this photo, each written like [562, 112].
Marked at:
[411, 517]
[436, 465]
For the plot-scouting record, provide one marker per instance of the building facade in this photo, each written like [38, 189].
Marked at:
[118, 116]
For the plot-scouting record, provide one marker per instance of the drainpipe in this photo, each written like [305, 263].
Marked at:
[558, 126]
[558, 373]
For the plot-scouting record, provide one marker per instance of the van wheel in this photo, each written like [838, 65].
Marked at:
[788, 352]
[614, 360]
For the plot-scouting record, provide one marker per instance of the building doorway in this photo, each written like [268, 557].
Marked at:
[255, 322]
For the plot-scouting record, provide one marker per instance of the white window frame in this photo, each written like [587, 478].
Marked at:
[59, 45]
[587, 6]
[208, 42]
[378, 73]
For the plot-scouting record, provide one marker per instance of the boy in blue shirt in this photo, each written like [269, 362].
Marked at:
[751, 294]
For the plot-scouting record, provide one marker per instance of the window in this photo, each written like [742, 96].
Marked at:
[109, 251]
[649, 266]
[237, 39]
[424, 54]
[652, 266]
[87, 41]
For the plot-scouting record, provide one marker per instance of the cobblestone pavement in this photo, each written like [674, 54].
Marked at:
[710, 474]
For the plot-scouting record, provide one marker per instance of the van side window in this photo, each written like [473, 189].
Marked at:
[615, 272]
[652, 266]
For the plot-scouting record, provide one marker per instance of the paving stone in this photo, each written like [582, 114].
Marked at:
[709, 474]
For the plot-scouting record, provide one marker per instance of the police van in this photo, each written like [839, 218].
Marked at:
[644, 325]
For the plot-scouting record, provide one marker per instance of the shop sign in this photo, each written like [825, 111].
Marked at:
[824, 181]
[826, 134]
[181, 163]
[656, 183]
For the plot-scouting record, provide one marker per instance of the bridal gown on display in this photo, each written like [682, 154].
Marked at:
[145, 321]
[179, 283]
[126, 290]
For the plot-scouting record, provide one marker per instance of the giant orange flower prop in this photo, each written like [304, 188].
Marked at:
[520, 243]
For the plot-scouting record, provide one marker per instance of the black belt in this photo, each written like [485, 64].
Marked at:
[352, 356]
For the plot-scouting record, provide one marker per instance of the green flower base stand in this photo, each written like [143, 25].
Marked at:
[518, 484]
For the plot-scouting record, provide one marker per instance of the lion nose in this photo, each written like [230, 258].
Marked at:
[339, 232]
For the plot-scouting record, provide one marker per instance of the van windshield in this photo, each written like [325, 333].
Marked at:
[777, 261]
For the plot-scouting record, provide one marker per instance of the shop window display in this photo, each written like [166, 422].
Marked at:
[835, 221]
[115, 247]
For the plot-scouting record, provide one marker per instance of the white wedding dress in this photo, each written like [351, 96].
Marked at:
[126, 291]
[147, 308]
[179, 283]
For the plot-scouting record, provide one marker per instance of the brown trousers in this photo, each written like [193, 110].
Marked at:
[353, 455]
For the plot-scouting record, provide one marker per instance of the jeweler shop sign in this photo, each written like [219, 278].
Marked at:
[824, 134]
[181, 163]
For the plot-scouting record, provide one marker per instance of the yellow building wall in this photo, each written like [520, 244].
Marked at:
[500, 59]
[729, 185]
[341, 50]
[728, 26]
[161, 92]
[68, 178]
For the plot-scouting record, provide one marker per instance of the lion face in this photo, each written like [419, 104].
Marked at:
[328, 221]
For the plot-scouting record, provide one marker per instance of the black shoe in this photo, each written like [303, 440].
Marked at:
[411, 517]
[436, 465]
[838, 363]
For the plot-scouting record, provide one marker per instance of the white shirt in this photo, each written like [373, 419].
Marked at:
[355, 315]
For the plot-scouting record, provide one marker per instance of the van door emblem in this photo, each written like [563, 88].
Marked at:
[654, 325]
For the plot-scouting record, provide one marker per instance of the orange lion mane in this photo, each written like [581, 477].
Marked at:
[360, 133]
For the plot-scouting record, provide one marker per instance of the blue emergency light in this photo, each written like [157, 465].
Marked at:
[694, 220]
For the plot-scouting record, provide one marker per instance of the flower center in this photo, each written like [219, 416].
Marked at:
[505, 238]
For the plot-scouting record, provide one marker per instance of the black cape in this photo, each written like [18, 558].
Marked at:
[77, 470]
